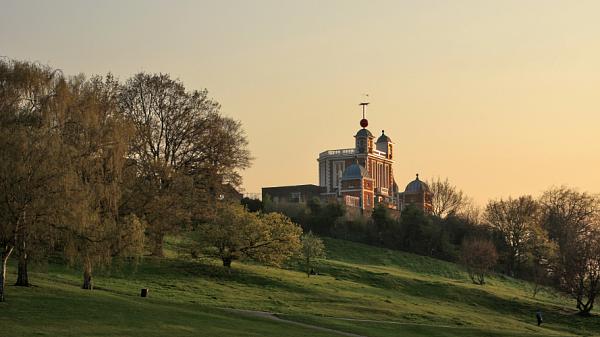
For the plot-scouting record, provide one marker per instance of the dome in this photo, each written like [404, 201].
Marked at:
[416, 186]
[354, 171]
[364, 133]
[383, 138]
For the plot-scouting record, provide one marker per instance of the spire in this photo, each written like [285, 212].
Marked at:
[417, 176]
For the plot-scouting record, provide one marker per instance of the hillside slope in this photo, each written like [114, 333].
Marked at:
[360, 289]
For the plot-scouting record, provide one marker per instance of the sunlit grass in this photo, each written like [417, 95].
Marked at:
[415, 295]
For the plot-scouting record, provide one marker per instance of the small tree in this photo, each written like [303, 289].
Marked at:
[236, 233]
[312, 248]
[478, 256]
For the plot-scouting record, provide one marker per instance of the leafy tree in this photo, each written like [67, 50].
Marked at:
[479, 257]
[252, 205]
[178, 133]
[417, 232]
[386, 229]
[235, 234]
[96, 136]
[517, 221]
[322, 216]
[542, 257]
[30, 169]
[312, 248]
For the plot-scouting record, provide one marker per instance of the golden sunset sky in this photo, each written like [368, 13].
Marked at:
[501, 97]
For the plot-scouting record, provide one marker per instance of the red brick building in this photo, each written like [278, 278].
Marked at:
[363, 176]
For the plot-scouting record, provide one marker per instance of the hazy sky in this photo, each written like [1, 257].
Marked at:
[501, 97]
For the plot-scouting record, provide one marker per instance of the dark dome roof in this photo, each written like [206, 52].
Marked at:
[364, 133]
[416, 186]
[383, 138]
[354, 171]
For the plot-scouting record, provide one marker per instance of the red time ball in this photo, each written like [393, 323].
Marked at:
[364, 123]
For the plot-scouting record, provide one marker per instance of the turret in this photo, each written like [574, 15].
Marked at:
[385, 144]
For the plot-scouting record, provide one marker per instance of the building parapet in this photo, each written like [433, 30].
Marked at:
[349, 152]
[339, 152]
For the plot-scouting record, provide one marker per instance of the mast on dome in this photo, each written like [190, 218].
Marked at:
[364, 122]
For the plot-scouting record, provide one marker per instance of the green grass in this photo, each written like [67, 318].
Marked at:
[389, 293]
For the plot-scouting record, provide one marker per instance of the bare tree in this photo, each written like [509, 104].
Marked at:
[516, 220]
[470, 211]
[572, 219]
[447, 198]
[479, 256]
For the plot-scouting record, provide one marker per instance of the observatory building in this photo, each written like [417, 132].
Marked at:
[359, 177]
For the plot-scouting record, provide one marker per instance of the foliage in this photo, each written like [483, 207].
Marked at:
[321, 216]
[30, 160]
[96, 138]
[252, 205]
[418, 233]
[312, 248]
[183, 153]
[236, 233]
[63, 148]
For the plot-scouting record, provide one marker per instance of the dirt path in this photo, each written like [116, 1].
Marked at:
[274, 317]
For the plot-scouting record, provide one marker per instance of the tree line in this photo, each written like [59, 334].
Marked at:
[553, 240]
[95, 168]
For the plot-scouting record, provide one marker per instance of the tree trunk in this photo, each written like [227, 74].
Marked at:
[307, 267]
[87, 277]
[585, 308]
[157, 249]
[22, 277]
[5, 255]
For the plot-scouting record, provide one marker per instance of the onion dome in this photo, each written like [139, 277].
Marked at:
[364, 133]
[354, 171]
[416, 186]
[383, 138]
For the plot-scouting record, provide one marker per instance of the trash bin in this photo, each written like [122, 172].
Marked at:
[144, 292]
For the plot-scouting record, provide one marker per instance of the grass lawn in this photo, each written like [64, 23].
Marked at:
[384, 292]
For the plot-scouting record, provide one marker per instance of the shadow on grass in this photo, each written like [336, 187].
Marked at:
[184, 271]
[478, 298]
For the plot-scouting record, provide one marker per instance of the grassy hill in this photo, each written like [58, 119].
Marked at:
[361, 289]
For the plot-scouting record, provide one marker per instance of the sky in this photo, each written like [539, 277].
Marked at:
[500, 97]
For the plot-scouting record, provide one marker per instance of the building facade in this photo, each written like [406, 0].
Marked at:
[360, 177]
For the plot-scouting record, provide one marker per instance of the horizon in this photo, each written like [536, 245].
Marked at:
[500, 99]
